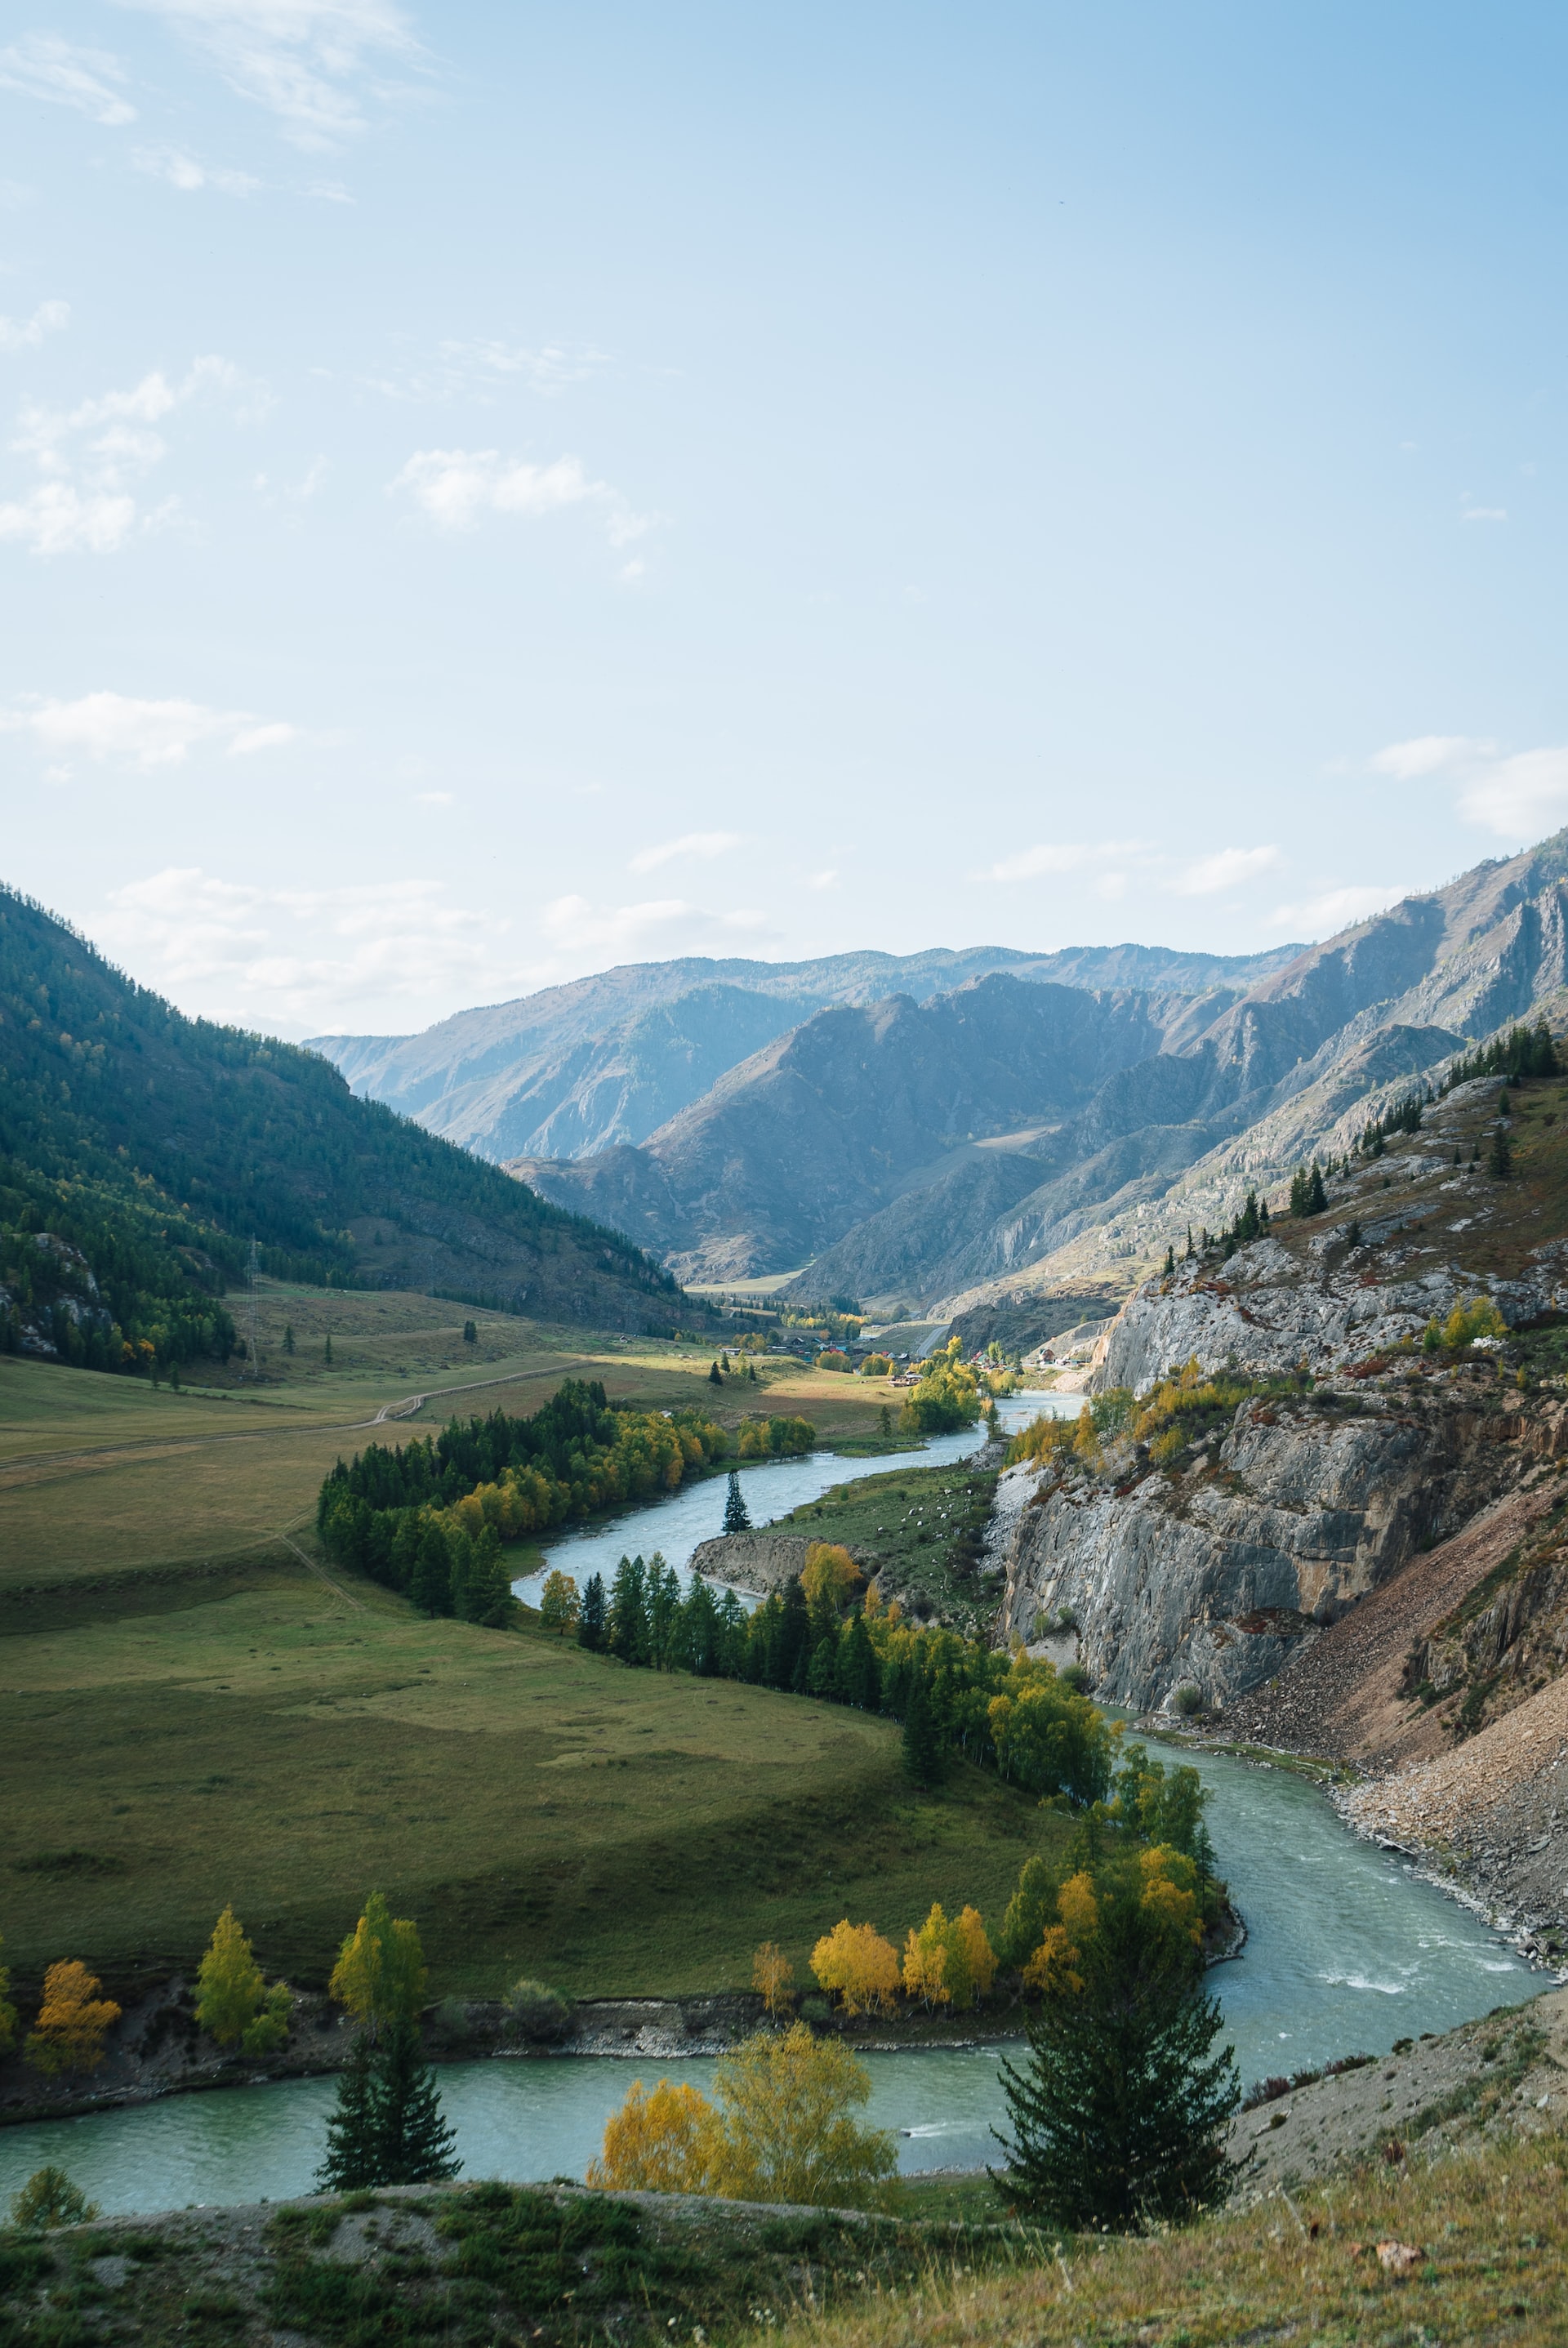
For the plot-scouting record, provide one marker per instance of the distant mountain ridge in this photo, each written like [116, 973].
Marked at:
[607, 1060]
[922, 1155]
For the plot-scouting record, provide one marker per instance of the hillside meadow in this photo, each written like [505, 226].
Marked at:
[198, 1710]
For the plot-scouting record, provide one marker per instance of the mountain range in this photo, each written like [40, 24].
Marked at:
[141, 1153]
[950, 1129]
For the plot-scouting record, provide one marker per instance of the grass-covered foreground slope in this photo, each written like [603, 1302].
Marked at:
[1469, 2252]
[157, 1146]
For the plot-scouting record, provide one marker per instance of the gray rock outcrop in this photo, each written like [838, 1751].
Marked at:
[756, 1561]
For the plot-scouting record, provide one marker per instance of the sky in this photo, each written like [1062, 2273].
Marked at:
[494, 491]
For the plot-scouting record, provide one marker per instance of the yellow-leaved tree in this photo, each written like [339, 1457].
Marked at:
[558, 1604]
[949, 1962]
[787, 2134]
[661, 2143]
[69, 2034]
[831, 1573]
[780, 2130]
[380, 1971]
[855, 1961]
[772, 1974]
[7, 2011]
[234, 2004]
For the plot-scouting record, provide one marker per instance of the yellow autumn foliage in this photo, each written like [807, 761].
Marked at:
[855, 1961]
[771, 1975]
[69, 2034]
[658, 2143]
[830, 1572]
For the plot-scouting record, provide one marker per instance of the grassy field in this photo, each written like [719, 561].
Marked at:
[920, 1529]
[102, 1476]
[537, 1809]
[194, 1710]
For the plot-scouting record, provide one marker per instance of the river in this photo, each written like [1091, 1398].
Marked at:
[1347, 1952]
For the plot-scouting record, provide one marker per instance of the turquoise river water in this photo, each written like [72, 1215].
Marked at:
[1346, 1951]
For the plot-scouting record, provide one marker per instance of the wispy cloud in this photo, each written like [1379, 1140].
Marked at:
[478, 370]
[690, 843]
[41, 65]
[1429, 754]
[310, 63]
[92, 458]
[456, 486]
[183, 172]
[1469, 513]
[1519, 795]
[574, 926]
[1050, 857]
[301, 960]
[1334, 909]
[26, 333]
[1226, 869]
[142, 734]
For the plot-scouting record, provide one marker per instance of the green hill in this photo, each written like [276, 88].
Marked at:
[142, 1152]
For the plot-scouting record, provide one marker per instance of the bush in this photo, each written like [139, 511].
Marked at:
[49, 2199]
[832, 1359]
[537, 2013]
[1188, 1700]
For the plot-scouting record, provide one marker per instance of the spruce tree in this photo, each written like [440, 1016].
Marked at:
[923, 1757]
[627, 1624]
[1119, 2110]
[737, 1516]
[1169, 1266]
[590, 1614]
[431, 1586]
[1500, 1157]
[486, 1596]
[326, 1355]
[1316, 1196]
[351, 2162]
[414, 2145]
[713, 1376]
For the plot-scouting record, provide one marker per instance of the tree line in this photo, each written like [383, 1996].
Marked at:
[429, 1518]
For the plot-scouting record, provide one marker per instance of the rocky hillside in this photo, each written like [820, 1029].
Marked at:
[1337, 1519]
[606, 1060]
[934, 1157]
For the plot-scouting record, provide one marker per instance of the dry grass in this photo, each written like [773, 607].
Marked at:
[1489, 2229]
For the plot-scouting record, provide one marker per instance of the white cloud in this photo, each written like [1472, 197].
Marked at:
[1226, 869]
[433, 798]
[308, 62]
[1482, 513]
[1335, 909]
[454, 487]
[184, 172]
[1518, 796]
[41, 65]
[1053, 856]
[828, 880]
[1429, 754]
[137, 733]
[575, 927]
[26, 333]
[690, 843]
[92, 456]
[301, 960]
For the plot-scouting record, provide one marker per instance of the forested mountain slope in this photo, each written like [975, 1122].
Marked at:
[1021, 1156]
[607, 1060]
[140, 1152]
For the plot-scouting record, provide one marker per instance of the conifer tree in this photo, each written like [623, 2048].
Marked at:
[288, 1337]
[626, 1628]
[326, 1354]
[1316, 1196]
[486, 1596]
[737, 1516]
[590, 1617]
[471, 1333]
[351, 2163]
[1500, 1157]
[714, 1378]
[924, 1759]
[1192, 1250]
[430, 1588]
[1169, 1266]
[414, 2145]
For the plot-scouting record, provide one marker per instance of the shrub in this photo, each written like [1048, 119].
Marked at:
[1188, 1700]
[535, 2011]
[49, 2199]
[830, 1358]
[69, 2034]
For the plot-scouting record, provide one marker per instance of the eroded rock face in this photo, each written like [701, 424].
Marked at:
[1214, 1577]
[1265, 1316]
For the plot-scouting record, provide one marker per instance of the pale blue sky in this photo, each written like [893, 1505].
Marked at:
[491, 491]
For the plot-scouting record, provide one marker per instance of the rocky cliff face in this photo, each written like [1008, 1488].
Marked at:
[1213, 1570]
